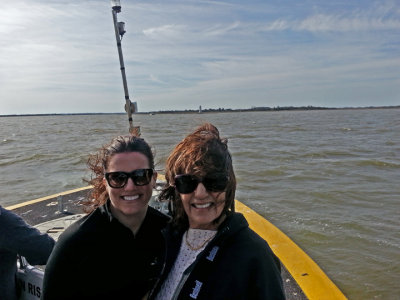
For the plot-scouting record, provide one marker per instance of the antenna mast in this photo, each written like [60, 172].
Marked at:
[119, 28]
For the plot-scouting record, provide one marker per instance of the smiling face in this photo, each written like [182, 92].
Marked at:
[202, 155]
[203, 207]
[130, 201]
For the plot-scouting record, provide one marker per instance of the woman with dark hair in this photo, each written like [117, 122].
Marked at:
[211, 251]
[115, 251]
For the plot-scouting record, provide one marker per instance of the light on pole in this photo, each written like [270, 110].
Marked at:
[116, 5]
[119, 28]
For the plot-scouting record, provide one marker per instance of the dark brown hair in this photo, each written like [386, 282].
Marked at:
[201, 152]
[99, 161]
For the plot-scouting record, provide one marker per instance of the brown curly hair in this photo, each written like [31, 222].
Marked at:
[201, 152]
[99, 161]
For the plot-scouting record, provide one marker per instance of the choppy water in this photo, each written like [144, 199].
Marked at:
[328, 179]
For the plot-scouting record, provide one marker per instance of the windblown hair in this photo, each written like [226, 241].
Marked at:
[201, 152]
[98, 164]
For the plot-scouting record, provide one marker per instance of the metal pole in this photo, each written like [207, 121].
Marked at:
[133, 130]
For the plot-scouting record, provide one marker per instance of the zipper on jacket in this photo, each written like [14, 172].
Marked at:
[185, 276]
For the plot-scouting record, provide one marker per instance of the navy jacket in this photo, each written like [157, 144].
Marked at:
[17, 237]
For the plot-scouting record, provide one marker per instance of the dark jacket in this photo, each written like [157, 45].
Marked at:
[236, 264]
[99, 258]
[16, 236]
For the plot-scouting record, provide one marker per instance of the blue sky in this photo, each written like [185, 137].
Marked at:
[61, 56]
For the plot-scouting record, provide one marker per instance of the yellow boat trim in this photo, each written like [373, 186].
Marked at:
[47, 197]
[308, 275]
[312, 280]
[160, 177]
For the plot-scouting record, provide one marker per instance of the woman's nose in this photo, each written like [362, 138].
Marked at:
[129, 184]
[200, 191]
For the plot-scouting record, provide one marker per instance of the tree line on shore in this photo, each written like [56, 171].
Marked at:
[216, 110]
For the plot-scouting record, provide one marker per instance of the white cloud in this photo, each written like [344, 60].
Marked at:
[323, 22]
[219, 29]
[377, 16]
[155, 79]
[277, 25]
[169, 31]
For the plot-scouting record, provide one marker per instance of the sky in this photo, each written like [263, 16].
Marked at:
[61, 56]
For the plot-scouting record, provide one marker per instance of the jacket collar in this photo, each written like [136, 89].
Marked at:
[105, 210]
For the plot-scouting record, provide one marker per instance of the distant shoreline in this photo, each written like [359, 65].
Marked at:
[213, 110]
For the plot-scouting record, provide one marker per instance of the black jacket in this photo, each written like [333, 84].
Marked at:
[99, 258]
[236, 264]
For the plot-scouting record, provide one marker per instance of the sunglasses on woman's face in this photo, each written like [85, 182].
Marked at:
[119, 179]
[186, 183]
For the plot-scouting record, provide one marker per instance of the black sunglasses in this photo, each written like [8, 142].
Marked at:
[186, 183]
[119, 179]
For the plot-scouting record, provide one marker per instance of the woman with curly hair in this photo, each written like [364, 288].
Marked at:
[211, 251]
[115, 251]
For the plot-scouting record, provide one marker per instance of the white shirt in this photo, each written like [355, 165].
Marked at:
[193, 242]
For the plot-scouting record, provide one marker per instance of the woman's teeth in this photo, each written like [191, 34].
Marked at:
[130, 198]
[205, 205]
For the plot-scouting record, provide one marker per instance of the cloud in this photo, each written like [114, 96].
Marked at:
[155, 79]
[323, 22]
[277, 25]
[333, 23]
[376, 17]
[219, 30]
[169, 31]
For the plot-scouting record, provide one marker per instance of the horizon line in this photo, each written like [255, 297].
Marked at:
[211, 110]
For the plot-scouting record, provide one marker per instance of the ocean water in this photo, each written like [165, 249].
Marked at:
[328, 179]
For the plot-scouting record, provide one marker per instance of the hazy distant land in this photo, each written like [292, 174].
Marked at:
[216, 110]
